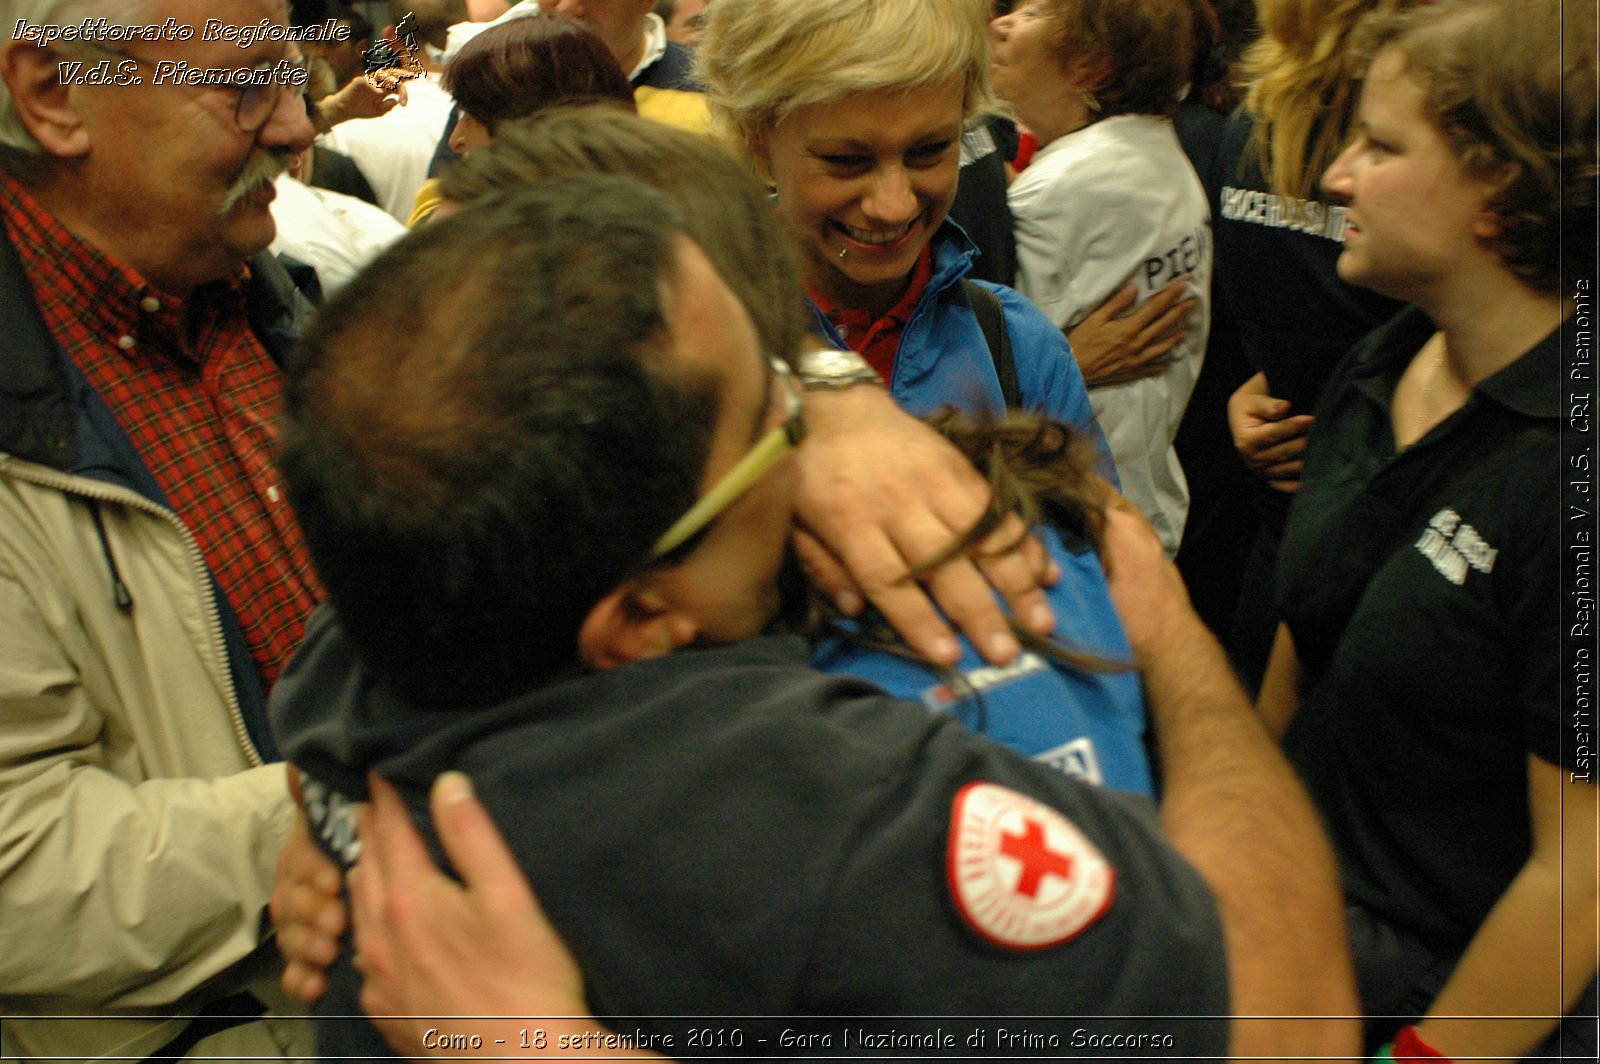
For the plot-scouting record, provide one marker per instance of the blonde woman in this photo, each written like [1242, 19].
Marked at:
[1277, 239]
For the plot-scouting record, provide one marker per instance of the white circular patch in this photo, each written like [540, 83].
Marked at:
[1021, 875]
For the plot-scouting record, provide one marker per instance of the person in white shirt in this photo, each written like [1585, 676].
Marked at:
[1108, 200]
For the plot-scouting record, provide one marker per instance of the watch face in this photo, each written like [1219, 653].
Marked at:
[830, 367]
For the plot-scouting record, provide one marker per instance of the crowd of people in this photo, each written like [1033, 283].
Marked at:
[600, 509]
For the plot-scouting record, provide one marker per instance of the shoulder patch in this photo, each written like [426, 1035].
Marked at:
[1021, 875]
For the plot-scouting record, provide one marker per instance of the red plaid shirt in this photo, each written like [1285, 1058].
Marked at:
[878, 341]
[198, 396]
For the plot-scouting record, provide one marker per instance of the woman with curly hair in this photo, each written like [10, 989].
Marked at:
[1418, 673]
[1109, 199]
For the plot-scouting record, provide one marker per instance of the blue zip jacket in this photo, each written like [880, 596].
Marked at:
[1087, 724]
[943, 358]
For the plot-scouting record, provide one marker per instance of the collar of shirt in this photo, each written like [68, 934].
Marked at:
[878, 341]
[112, 302]
[655, 44]
[1530, 385]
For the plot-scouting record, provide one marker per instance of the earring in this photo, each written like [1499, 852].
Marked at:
[1089, 101]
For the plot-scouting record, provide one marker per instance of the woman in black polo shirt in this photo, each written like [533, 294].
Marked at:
[1418, 673]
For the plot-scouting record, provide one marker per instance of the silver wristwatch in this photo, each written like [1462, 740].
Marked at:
[827, 367]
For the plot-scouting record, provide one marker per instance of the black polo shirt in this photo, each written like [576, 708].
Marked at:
[1421, 589]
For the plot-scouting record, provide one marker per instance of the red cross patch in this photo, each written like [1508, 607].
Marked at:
[1021, 875]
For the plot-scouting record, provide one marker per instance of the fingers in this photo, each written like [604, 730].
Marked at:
[1257, 442]
[1266, 454]
[1010, 560]
[1166, 330]
[475, 846]
[1249, 409]
[824, 569]
[1162, 302]
[1144, 585]
[1116, 305]
[882, 574]
[391, 849]
[960, 587]
[1284, 475]
[886, 494]
[306, 912]
[304, 982]
[965, 595]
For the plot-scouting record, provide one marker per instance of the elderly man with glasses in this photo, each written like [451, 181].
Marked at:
[152, 580]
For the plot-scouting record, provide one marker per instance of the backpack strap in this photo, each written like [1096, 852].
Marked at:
[992, 320]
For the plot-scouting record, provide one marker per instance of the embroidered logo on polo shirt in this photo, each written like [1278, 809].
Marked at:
[1021, 875]
[1455, 548]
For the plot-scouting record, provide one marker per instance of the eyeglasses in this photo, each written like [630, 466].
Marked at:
[259, 97]
[750, 469]
[259, 87]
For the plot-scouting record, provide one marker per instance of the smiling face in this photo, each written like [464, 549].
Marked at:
[864, 183]
[161, 176]
[1415, 216]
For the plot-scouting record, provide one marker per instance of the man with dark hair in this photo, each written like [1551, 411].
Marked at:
[152, 580]
[549, 493]
[684, 19]
[345, 56]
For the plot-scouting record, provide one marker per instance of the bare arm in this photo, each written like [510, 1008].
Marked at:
[1536, 951]
[1234, 808]
[1279, 696]
[881, 493]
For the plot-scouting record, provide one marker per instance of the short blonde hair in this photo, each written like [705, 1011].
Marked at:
[761, 60]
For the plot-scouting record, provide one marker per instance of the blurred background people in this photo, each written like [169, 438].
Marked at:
[517, 68]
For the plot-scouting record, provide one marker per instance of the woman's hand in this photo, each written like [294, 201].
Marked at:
[1272, 444]
[1117, 342]
[879, 494]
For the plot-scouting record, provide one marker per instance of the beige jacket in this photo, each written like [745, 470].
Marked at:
[139, 830]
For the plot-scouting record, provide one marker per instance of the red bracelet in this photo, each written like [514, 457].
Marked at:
[1408, 1045]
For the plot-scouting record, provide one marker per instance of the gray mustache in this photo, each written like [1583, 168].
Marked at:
[262, 169]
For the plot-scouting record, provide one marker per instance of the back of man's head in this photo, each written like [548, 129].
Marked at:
[483, 434]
